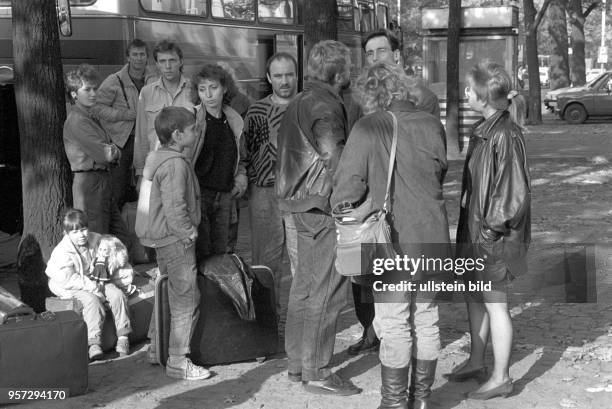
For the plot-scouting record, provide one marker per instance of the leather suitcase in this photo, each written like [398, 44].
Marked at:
[221, 336]
[140, 308]
[45, 351]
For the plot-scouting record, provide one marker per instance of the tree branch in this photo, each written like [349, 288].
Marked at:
[591, 7]
[539, 16]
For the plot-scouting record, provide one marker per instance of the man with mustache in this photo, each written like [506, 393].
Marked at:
[259, 153]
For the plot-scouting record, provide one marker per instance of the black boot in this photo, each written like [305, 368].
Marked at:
[421, 380]
[393, 389]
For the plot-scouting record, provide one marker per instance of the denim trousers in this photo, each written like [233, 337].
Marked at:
[407, 329]
[268, 234]
[122, 174]
[178, 262]
[317, 295]
[94, 311]
[213, 231]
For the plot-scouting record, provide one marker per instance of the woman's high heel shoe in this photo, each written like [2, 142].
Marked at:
[502, 390]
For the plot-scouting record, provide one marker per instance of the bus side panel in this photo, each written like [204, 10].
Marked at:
[246, 50]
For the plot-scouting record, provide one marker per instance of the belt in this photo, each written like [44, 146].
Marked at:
[90, 170]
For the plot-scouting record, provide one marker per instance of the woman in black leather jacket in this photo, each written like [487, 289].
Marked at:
[494, 223]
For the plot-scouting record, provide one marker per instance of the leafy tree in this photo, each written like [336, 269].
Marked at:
[559, 61]
[577, 18]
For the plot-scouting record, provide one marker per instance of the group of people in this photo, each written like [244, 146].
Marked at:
[297, 156]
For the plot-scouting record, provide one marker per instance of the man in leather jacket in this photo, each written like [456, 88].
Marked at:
[313, 131]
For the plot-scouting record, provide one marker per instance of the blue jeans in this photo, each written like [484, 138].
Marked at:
[178, 262]
[213, 231]
[317, 295]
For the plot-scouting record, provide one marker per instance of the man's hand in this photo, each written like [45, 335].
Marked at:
[237, 191]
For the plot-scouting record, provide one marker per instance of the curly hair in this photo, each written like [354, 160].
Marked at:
[75, 79]
[328, 58]
[381, 83]
[111, 247]
[217, 73]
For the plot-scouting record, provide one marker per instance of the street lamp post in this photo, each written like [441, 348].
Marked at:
[602, 49]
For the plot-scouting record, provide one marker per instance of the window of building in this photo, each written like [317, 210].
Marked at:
[276, 11]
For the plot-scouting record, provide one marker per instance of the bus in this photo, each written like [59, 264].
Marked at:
[243, 34]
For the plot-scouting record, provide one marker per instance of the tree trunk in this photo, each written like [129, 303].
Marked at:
[452, 80]
[559, 62]
[531, 45]
[39, 94]
[577, 67]
[320, 22]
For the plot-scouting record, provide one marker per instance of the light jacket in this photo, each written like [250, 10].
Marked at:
[87, 145]
[495, 213]
[153, 98]
[174, 203]
[236, 124]
[313, 130]
[65, 268]
[111, 105]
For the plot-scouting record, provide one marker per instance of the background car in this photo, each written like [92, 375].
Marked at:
[550, 98]
[595, 100]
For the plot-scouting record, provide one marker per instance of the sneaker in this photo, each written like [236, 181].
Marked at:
[152, 355]
[123, 346]
[95, 352]
[188, 371]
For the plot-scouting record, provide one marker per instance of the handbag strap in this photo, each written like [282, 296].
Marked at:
[387, 204]
[123, 90]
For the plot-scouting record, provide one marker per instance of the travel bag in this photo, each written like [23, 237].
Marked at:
[45, 351]
[220, 335]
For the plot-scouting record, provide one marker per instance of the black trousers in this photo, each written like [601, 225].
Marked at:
[364, 307]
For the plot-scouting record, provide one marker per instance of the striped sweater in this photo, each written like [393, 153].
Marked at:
[260, 140]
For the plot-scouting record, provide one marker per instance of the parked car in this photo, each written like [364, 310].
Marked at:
[550, 98]
[593, 73]
[576, 105]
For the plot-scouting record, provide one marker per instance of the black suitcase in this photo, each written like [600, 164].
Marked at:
[45, 351]
[221, 336]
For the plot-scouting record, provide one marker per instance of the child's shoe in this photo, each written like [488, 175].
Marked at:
[95, 352]
[187, 370]
[123, 346]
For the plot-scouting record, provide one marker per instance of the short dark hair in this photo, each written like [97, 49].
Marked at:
[383, 32]
[218, 73]
[74, 219]
[167, 46]
[136, 43]
[169, 120]
[75, 79]
[281, 56]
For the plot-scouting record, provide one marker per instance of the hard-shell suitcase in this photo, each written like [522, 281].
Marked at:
[45, 351]
[221, 336]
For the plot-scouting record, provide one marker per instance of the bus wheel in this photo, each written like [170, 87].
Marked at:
[575, 114]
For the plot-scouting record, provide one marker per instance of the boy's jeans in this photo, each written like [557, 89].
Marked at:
[178, 262]
[317, 295]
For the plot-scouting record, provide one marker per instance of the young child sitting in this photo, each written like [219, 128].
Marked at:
[69, 266]
[112, 266]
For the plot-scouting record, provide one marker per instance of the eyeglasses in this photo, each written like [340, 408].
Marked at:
[378, 52]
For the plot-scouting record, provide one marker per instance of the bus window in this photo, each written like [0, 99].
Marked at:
[367, 16]
[7, 3]
[382, 16]
[348, 9]
[234, 9]
[187, 7]
[275, 11]
[345, 8]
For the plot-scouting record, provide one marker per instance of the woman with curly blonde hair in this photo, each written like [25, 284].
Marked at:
[418, 217]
